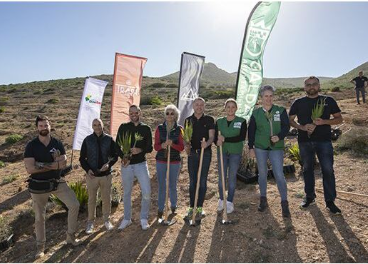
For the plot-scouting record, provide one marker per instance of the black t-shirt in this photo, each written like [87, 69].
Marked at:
[359, 81]
[302, 108]
[41, 153]
[201, 127]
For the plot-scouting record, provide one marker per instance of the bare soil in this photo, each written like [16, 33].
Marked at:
[312, 235]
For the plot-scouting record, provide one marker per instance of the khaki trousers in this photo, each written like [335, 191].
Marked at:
[67, 196]
[104, 183]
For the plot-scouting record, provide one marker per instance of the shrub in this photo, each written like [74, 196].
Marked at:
[294, 153]
[335, 89]
[80, 192]
[14, 138]
[5, 228]
[171, 85]
[157, 85]
[2, 109]
[2, 164]
[145, 100]
[156, 100]
[4, 99]
[355, 140]
[52, 101]
[9, 179]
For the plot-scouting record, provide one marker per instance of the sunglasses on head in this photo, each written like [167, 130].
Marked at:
[169, 113]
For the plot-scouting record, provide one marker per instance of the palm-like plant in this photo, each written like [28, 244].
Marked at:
[124, 143]
[137, 137]
[317, 110]
[188, 132]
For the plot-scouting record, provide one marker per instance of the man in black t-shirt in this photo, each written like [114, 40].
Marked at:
[360, 84]
[44, 158]
[314, 137]
[203, 127]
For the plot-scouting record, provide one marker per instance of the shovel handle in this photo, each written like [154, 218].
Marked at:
[198, 182]
[224, 201]
[167, 184]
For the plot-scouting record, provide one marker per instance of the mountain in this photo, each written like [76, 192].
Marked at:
[214, 76]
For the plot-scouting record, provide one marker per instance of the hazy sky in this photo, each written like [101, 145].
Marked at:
[43, 41]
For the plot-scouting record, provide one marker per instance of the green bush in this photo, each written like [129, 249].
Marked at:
[157, 85]
[294, 153]
[156, 100]
[80, 192]
[145, 100]
[2, 109]
[14, 138]
[52, 101]
[171, 85]
[2, 164]
[355, 140]
[4, 99]
[9, 179]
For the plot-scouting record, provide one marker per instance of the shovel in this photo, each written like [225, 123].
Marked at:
[224, 220]
[194, 221]
[166, 221]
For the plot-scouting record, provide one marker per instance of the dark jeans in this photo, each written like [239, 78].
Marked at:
[362, 91]
[193, 164]
[324, 151]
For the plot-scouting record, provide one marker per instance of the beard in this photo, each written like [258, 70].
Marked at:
[44, 132]
[312, 91]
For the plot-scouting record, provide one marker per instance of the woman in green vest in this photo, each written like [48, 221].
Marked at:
[233, 131]
[268, 126]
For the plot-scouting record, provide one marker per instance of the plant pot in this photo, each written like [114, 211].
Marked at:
[6, 242]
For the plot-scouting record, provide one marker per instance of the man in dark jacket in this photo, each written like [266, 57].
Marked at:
[98, 155]
[360, 83]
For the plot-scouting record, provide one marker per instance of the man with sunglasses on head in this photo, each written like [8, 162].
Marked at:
[314, 137]
[140, 143]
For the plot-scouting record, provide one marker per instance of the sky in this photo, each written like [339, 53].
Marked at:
[58, 40]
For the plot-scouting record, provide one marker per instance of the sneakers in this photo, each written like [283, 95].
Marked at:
[124, 224]
[40, 251]
[229, 207]
[220, 205]
[307, 202]
[144, 224]
[108, 226]
[189, 213]
[70, 239]
[262, 204]
[201, 212]
[160, 214]
[333, 208]
[173, 209]
[285, 208]
[89, 229]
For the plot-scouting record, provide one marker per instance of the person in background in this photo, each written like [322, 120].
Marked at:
[360, 82]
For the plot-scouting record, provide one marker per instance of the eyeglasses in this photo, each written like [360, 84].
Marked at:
[169, 113]
[311, 84]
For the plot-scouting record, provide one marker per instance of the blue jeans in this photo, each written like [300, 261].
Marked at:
[140, 171]
[231, 165]
[324, 151]
[173, 179]
[362, 91]
[193, 164]
[277, 160]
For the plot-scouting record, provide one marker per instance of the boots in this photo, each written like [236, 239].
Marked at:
[70, 239]
[40, 251]
[262, 204]
[285, 208]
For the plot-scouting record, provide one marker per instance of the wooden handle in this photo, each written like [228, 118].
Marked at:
[349, 193]
[224, 216]
[198, 182]
[167, 184]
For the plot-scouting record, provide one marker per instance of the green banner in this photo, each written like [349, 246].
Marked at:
[250, 73]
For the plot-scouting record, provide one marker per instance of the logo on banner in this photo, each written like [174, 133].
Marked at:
[189, 96]
[89, 99]
[127, 89]
[258, 35]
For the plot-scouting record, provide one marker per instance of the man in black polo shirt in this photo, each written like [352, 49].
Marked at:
[203, 127]
[98, 155]
[136, 166]
[314, 137]
[44, 158]
[360, 84]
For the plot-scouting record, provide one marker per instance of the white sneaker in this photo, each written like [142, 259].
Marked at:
[89, 229]
[220, 205]
[229, 207]
[108, 225]
[144, 224]
[125, 224]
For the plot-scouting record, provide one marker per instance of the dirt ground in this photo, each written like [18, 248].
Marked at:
[312, 235]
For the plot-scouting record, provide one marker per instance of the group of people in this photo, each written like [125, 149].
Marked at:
[267, 129]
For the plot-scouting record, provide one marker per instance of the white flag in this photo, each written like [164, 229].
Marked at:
[90, 108]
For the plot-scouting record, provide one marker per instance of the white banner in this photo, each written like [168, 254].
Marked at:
[90, 108]
[190, 71]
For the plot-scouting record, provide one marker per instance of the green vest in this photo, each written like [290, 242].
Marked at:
[263, 130]
[232, 130]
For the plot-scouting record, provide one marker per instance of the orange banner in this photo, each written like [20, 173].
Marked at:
[128, 74]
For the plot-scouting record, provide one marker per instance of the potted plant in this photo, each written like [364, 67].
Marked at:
[124, 143]
[187, 134]
[317, 111]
